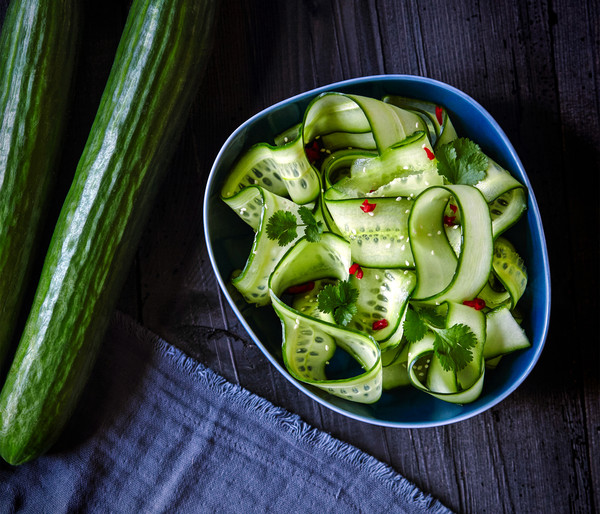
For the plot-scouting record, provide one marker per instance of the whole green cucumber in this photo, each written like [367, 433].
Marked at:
[37, 53]
[149, 92]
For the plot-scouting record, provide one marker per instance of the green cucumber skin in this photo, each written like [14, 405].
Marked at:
[38, 38]
[157, 71]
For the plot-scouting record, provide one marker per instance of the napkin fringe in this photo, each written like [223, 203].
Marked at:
[292, 423]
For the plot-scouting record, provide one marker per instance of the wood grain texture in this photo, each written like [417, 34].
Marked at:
[535, 66]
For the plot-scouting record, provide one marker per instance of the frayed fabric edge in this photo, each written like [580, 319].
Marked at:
[288, 421]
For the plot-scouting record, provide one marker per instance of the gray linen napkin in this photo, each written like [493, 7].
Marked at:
[156, 431]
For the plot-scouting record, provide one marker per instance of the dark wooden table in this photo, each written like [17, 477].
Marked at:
[535, 66]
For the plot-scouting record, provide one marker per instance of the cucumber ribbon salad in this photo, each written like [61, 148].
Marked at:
[379, 232]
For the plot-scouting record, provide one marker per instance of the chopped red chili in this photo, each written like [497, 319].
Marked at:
[356, 270]
[301, 288]
[368, 207]
[453, 208]
[477, 303]
[449, 220]
[439, 114]
[380, 324]
[313, 152]
[430, 154]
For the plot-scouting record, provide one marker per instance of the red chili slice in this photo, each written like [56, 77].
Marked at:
[449, 220]
[453, 208]
[439, 112]
[477, 303]
[380, 324]
[368, 207]
[429, 153]
[301, 288]
[313, 152]
[356, 270]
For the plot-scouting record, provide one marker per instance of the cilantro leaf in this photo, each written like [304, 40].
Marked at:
[414, 326]
[339, 300]
[432, 318]
[462, 162]
[282, 225]
[313, 228]
[453, 346]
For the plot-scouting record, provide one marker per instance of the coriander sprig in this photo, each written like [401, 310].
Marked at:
[283, 226]
[452, 345]
[462, 162]
[339, 300]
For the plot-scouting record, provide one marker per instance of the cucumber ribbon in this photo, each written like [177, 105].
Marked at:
[308, 342]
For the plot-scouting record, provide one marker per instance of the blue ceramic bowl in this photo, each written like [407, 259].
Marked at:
[228, 241]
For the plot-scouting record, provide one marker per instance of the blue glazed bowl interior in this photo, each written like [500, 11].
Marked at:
[229, 240]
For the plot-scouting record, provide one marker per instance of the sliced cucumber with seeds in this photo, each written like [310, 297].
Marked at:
[509, 268]
[383, 295]
[506, 196]
[376, 175]
[379, 238]
[283, 170]
[314, 261]
[255, 205]
[507, 209]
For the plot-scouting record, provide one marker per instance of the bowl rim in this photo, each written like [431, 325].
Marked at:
[532, 206]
